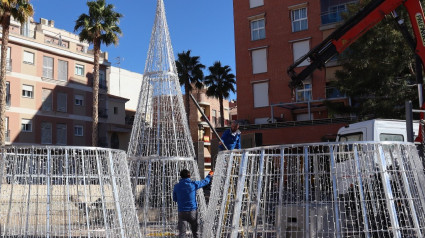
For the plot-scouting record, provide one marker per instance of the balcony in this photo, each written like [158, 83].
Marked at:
[103, 112]
[7, 135]
[8, 100]
[27, 33]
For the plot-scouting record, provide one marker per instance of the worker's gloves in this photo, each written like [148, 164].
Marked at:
[211, 173]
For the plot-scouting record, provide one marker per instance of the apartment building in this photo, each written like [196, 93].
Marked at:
[269, 37]
[49, 88]
[125, 84]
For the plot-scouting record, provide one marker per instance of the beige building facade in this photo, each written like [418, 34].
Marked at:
[49, 88]
[199, 128]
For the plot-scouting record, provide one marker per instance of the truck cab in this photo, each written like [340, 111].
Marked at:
[376, 130]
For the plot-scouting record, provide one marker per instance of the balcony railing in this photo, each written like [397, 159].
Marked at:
[7, 135]
[28, 33]
[8, 99]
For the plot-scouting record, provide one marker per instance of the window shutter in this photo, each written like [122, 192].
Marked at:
[261, 94]
[47, 67]
[27, 88]
[28, 57]
[61, 134]
[47, 100]
[300, 49]
[63, 70]
[46, 133]
[255, 3]
[259, 61]
[61, 102]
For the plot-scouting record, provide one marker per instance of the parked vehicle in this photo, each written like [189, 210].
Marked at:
[376, 130]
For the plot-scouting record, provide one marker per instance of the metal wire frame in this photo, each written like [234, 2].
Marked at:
[153, 181]
[65, 192]
[318, 190]
[160, 126]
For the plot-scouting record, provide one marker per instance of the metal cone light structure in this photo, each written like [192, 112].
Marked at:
[160, 127]
[160, 145]
[65, 192]
[356, 189]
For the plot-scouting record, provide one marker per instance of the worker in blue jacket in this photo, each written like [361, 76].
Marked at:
[231, 137]
[185, 195]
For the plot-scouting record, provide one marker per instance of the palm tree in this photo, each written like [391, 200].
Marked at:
[99, 26]
[220, 82]
[190, 73]
[20, 10]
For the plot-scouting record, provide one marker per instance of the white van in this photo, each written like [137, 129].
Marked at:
[376, 130]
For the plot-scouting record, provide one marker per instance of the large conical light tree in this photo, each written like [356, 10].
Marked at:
[20, 10]
[160, 145]
[100, 26]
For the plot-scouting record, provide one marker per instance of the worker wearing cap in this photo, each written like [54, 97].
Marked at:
[185, 195]
[231, 137]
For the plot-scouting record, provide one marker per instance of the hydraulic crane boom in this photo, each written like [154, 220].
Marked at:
[354, 28]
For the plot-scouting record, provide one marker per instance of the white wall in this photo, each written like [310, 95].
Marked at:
[126, 84]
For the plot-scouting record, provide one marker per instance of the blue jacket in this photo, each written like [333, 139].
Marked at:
[185, 193]
[232, 140]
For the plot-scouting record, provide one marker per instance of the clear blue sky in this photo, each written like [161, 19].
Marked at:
[203, 26]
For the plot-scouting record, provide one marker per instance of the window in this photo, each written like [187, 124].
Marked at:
[214, 116]
[26, 125]
[262, 120]
[79, 69]
[27, 91]
[258, 30]
[8, 102]
[304, 94]
[390, 137]
[61, 134]
[28, 57]
[7, 130]
[78, 131]
[256, 3]
[46, 133]
[102, 79]
[351, 137]
[301, 48]
[261, 94]
[299, 19]
[61, 102]
[62, 70]
[47, 67]
[79, 100]
[333, 13]
[259, 61]
[115, 110]
[305, 117]
[332, 91]
[47, 99]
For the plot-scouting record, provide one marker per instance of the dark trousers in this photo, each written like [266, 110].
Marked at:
[191, 218]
